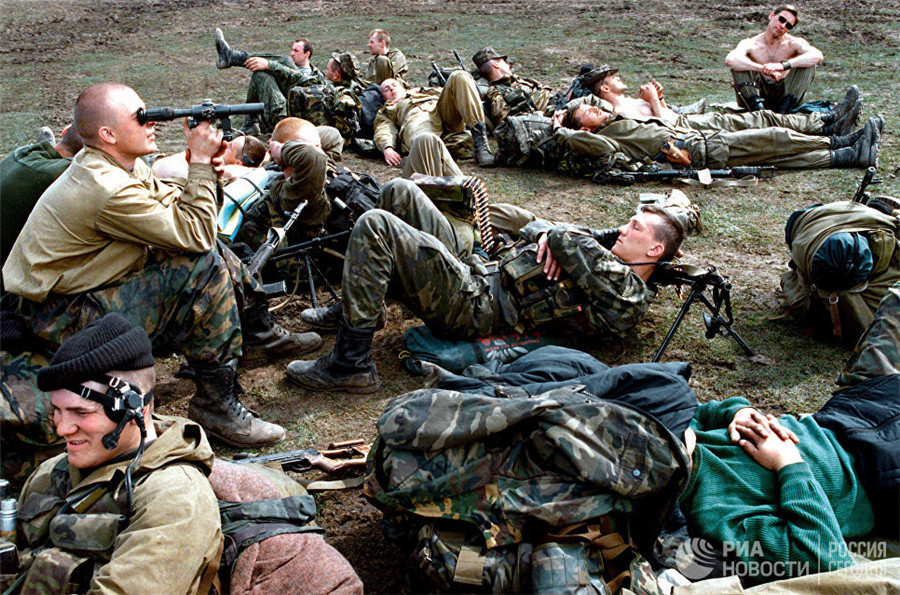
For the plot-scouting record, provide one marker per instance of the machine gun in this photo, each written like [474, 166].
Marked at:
[207, 111]
[628, 178]
[700, 280]
[338, 456]
[307, 250]
[274, 238]
[868, 178]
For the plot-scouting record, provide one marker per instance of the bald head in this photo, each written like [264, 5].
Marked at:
[290, 129]
[100, 105]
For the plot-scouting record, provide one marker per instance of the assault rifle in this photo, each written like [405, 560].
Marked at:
[336, 457]
[438, 74]
[274, 238]
[699, 280]
[861, 197]
[207, 111]
[628, 178]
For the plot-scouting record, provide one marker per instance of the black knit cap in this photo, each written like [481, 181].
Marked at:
[110, 343]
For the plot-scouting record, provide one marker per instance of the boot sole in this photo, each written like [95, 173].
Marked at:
[270, 354]
[229, 442]
[353, 390]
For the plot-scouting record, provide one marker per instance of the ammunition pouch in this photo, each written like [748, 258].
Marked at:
[678, 141]
[54, 570]
[518, 100]
[536, 299]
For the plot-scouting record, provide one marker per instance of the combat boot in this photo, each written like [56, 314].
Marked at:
[348, 368]
[848, 140]
[327, 318]
[250, 127]
[225, 56]
[840, 109]
[864, 153]
[218, 409]
[483, 155]
[263, 338]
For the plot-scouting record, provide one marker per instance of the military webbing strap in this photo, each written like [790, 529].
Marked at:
[469, 566]
[337, 484]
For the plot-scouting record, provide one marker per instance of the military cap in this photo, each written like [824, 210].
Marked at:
[485, 55]
[348, 63]
[598, 74]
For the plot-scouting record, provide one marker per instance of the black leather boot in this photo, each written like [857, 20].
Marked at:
[327, 318]
[848, 140]
[863, 153]
[225, 56]
[263, 338]
[348, 368]
[845, 123]
[218, 409]
[483, 155]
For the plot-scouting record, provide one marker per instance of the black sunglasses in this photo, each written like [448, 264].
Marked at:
[787, 24]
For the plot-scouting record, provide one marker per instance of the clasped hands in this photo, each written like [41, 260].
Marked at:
[766, 441]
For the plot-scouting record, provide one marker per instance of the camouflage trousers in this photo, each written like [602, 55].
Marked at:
[188, 303]
[776, 94]
[432, 280]
[265, 88]
[27, 432]
[878, 351]
[411, 204]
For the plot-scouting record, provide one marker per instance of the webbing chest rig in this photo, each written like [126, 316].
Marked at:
[70, 535]
[537, 299]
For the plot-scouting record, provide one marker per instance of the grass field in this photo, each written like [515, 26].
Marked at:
[51, 50]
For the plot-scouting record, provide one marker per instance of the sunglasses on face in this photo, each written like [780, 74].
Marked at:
[787, 24]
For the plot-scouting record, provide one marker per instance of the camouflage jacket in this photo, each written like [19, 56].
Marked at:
[173, 537]
[291, 77]
[506, 464]
[513, 95]
[598, 294]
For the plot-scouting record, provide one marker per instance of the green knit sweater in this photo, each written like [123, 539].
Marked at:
[800, 514]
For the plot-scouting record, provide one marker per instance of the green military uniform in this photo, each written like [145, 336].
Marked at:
[425, 123]
[465, 299]
[780, 96]
[878, 351]
[856, 307]
[641, 140]
[108, 239]
[804, 123]
[24, 175]
[273, 85]
[514, 95]
[307, 183]
[390, 66]
[173, 538]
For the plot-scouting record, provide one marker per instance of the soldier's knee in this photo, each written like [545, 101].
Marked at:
[394, 192]
[425, 139]
[371, 223]
[459, 77]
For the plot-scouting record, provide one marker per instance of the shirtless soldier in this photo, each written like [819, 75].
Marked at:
[772, 70]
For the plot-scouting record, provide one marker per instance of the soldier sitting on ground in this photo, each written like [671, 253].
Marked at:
[386, 62]
[131, 487]
[564, 277]
[773, 70]
[337, 102]
[421, 122]
[109, 236]
[272, 79]
[305, 154]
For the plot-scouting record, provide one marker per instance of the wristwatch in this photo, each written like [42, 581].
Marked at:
[786, 64]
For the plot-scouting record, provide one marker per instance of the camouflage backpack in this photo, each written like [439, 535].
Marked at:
[311, 103]
[525, 493]
[520, 140]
